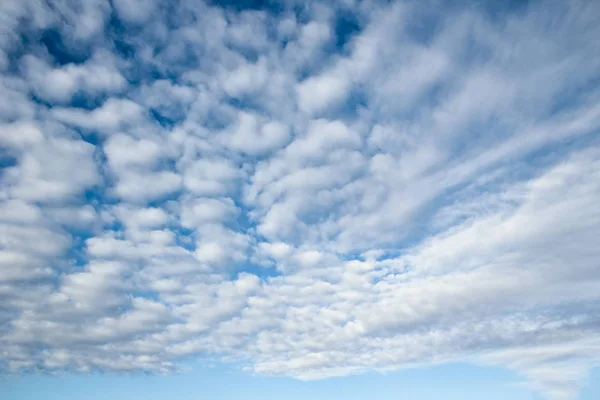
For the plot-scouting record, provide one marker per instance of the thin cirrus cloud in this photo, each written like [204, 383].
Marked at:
[309, 197]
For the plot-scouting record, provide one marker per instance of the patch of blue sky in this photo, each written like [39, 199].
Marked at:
[447, 382]
[346, 26]
[62, 50]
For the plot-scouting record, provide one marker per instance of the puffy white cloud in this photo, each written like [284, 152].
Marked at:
[124, 151]
[170, 100]
[142, 187]
[112, 115]
[241, 188]
[327, 90]
[255, 137]
[246, 79]
[211, 177]
[52, 170]
[97, 76]
[199, 211]
[142, 218]
[19, 135]
[135, 10]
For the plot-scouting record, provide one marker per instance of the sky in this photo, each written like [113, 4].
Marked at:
[316, 200]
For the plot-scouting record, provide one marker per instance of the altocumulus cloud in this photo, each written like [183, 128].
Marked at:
[306, 189]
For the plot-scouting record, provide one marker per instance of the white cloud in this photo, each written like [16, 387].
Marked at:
[135, 10]
[53, 170]
[199, 211]
[20, 134]
[246, 79]
[422, 195]
[211, 177]
[16, 104]
[112, 115]
[255, 137]
[142, 218]
[124, 151]
[99, 75]
[142, 187]
[171, 100]
[321, 92]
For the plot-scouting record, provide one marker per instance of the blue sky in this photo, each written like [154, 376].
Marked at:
[312, 199]
[453, 382]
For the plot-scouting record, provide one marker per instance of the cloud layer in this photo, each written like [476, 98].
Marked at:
[305, 190]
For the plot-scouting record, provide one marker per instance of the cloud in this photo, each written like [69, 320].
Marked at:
[52, 169]
[266, 188]
[256, 137]
[97, 76]
[327, 90]
[135, 11]
[112, 115]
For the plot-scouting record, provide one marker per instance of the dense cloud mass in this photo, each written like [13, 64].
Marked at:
[305, 189]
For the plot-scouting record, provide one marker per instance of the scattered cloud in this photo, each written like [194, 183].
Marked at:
[307, 197]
